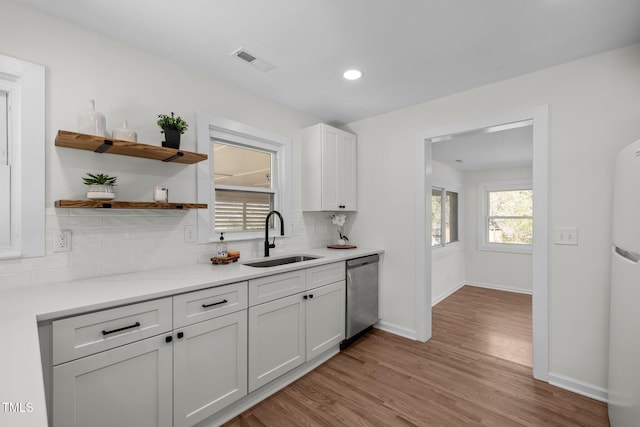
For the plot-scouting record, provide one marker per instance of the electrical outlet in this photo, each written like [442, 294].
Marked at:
[189, 233]
[62, 241]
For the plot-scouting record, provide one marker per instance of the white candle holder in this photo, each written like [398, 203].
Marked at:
[160, 194]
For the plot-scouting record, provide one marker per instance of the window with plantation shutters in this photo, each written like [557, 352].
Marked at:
[245, 190]
[249, 174]
[241, 210]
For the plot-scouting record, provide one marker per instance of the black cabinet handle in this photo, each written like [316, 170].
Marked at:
[224, 301]
[311, 296]
[305, 296]
[104, 332]
[180, 335]
[168, 339]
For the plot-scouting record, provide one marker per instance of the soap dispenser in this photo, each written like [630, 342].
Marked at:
[221, 247]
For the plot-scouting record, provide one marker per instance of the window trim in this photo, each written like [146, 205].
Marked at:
[25, 82]
[210, 127]
[459, 245]
[483, 209]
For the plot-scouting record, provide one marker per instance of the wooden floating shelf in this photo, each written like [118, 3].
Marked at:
[99, 144]
[114, 204]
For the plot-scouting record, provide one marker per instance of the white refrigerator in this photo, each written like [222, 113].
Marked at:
[624, 334]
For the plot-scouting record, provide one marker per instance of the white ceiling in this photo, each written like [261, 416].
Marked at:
[484, 150]
[410, 50]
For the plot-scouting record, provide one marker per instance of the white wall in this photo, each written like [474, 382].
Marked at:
[448, 270]
[500, 270]
[594, 110]
[129, 84]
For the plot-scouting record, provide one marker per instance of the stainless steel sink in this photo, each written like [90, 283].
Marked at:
[272, 262]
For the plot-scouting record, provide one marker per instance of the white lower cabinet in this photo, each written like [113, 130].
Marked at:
[276, 339]
[325, 318]
[209, 349]
[285, 333]
[125, 386]
[177, 378]
[209, 367]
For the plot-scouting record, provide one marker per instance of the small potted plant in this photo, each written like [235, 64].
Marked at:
[172, 126]
[100, 186]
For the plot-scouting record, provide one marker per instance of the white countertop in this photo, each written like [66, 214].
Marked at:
[22, 308]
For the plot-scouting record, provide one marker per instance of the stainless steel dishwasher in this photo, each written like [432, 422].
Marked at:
[362, 296]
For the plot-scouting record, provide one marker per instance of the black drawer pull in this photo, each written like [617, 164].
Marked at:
[120, 329]
[224, 301]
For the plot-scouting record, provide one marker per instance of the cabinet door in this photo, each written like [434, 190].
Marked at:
[210, 367]
[276, 339]
[325, 324]
[126, 386]
[347, 163]
[331, 139]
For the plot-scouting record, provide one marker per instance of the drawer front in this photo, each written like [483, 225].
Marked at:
[325, 274]
[80, 336]
[269, 288]
[209, 303]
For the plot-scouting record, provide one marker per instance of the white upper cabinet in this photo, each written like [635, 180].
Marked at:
[328, 169]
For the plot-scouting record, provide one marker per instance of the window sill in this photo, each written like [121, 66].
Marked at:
[506, 248]
[238, 236]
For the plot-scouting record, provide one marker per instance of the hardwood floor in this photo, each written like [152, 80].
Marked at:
[476, 370]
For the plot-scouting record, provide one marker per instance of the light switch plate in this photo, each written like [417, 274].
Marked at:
[565, 236]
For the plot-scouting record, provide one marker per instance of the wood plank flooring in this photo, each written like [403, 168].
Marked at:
[475, 371]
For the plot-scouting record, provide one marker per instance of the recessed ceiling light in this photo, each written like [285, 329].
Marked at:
[352, 74]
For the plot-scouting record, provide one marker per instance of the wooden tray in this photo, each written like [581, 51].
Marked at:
[224, 259]
[341, 246]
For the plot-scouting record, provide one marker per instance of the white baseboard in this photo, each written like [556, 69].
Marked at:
[396, 330]
[500, 287]
[447, 294]
[577, 386]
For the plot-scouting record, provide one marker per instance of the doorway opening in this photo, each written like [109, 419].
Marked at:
[537, 118]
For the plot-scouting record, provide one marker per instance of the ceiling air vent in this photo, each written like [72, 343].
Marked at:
[252, 59]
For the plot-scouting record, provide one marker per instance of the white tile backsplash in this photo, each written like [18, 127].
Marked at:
[117, 241]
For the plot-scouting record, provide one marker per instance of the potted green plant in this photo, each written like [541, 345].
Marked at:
[172, 126]
[100, 186]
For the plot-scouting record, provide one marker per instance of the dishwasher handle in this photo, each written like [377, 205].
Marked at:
[358, 262]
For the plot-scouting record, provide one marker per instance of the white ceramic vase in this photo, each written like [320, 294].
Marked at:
[125, 134]
[91, 122]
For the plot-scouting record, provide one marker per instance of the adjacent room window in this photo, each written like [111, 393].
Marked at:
[506, 216]
[444, 217]
[247, 176]
[245, 186]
